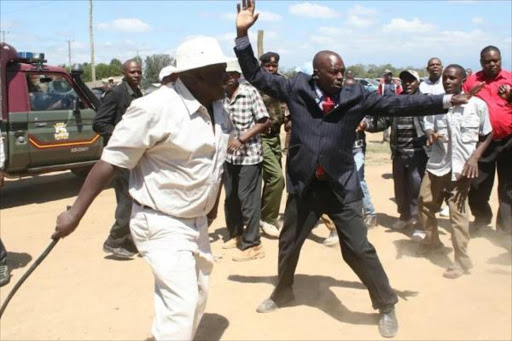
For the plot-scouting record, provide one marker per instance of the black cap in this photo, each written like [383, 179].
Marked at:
[269, 57]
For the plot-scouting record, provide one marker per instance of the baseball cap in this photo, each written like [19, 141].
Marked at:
[410, 72]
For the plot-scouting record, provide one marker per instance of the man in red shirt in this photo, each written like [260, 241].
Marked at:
[498, 96]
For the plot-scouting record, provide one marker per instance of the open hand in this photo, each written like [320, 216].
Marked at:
[464, 98]
[470, 169]
[433, 138]
[245, 17]
[235, 145]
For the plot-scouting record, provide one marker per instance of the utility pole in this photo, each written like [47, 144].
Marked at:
[3, 35]
[91, 39]
[260, 43]
[69, 53]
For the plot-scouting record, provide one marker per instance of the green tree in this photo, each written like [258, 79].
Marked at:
[153, 65]
[116, 67]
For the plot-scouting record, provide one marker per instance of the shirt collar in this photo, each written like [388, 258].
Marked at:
[429, 82]
[191, 103]
[129, 89]
[481, 76]
[320, 95]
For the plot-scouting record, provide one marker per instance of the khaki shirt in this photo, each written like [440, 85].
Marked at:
[167, 140]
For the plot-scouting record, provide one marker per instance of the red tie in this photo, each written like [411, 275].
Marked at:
[327, 105]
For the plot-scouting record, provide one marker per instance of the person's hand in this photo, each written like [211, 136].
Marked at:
[235, 145]
[470, 169]
[67, 222]
[361, 127]
[464, 98]
[245, 17]
[505, 92]
[433, 138]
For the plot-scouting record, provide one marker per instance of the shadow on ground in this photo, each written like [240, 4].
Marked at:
[314, 291]
[211, 327]
[17, 260]
[39, 189]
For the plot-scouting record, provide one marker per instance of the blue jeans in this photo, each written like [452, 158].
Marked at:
[368, 208]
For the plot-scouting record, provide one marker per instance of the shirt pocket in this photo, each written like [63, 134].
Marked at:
[469, 129]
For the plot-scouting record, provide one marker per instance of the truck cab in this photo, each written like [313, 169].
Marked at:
[47, 116]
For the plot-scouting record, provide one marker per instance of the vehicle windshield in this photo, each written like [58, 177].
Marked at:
[50, 92]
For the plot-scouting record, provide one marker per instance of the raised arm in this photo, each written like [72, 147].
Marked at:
[273, 85]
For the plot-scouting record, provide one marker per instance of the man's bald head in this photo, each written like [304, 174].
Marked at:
[132, 73]
[328, 71]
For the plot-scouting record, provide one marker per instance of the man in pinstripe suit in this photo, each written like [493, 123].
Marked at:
[321, 175]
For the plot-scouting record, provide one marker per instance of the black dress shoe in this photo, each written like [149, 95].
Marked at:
[388, 324]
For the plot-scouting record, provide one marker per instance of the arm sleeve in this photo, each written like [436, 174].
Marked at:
[104, 122]
[403, 105]
[485, 122]
[132, 136]
[273, 85]
[429, 122]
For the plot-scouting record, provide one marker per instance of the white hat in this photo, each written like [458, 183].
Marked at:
[198, 52]
[166, 71]
[410, 72]
[233, 66]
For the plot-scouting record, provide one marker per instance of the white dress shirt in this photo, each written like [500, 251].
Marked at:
[461, 128]
[176, 158]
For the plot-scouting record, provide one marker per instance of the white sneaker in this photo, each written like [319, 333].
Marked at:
[332, 239]
[269, 229]
[418, 236]
[400, 225]
[445, 212]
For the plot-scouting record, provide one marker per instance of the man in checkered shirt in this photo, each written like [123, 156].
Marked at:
[242, 169]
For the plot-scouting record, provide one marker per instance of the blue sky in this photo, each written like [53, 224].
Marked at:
[402, 33]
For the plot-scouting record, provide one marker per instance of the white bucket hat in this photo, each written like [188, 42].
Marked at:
[198, 52]
[233, 66]
[166, 71]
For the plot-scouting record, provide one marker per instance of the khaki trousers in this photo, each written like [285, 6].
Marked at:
[434, 190]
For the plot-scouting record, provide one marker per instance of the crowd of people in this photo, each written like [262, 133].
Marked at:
[168, 154]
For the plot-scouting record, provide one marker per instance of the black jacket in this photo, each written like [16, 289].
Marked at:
[112, 108]
[328, 140]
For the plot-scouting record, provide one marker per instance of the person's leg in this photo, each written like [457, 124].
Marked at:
[249, 192]
[368, 207]
[273, 180]
[459, 218]
[360, 254]
[400, 186]
[299, 219]
[415, 172]
[430, 200]
[232, 209]
[481, 187]
[504, 216]
[119, 236]
[169, 244]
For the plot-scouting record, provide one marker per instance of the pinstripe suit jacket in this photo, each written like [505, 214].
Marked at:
[328, 139]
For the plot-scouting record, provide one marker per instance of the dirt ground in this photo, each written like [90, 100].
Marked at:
[80, 293]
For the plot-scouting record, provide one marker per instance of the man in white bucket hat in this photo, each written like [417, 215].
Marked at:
[174, 141]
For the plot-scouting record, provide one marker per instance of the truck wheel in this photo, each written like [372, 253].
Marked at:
[81, 172]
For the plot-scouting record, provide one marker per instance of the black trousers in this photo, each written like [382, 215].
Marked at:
[498, 156]
[301, 215]
[120, 235]
[243, 202]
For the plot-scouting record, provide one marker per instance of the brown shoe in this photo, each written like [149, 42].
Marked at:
[232, 243]
[254, 252]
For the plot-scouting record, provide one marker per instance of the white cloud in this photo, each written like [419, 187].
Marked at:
[125, 25]
[310, 10]
[407, 26]
[477, 20]
[359, 16]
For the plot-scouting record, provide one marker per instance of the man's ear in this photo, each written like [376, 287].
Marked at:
[315, 73]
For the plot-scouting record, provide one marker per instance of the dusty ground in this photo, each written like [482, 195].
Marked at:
[79, 293]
